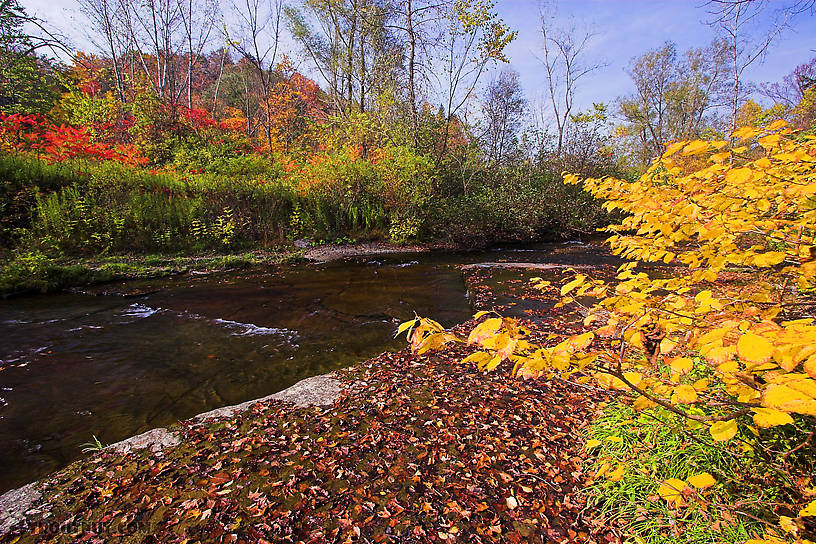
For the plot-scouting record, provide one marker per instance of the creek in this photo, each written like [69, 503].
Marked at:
[119, 359]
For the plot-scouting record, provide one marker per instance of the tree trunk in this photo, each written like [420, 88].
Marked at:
[411, 72]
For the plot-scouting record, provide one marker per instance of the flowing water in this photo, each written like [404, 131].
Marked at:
[129, 357]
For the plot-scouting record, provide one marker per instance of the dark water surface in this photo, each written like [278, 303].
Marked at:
[113, 366]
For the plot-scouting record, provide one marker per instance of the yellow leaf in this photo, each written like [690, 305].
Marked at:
[434, 341]
[572, 285]
[770, 141]
[787, 524]
[681, 365]
[808, 511]
[719, 354]
[701, 385]
[810, 366]
[582, 341]
[492, 364]
[745, 132]
[485, 329]
[763, 163]
[770, 258]
[696, 147]
[684, 394]
[480, 358]
[702, 481]
[673, 148]
[642, 403]
[594, 443]
[776, 125]
[666, 345]
[633, 377]
[405, 326]
[723, 430]
[672, 491]
[754, 348]
[616, 474]
[770, 417]
[788, 399]
[739, 175]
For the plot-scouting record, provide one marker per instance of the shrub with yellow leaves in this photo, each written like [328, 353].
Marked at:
[726, 339]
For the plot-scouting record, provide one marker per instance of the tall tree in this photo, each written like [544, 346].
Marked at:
[258, 39]
[349, 43]
[198, 20]
[673, 94]
[27, 80]
[418, 20]
[503, 111]
[564, 51]
[474, 38]
[736, 20]
[109, 33]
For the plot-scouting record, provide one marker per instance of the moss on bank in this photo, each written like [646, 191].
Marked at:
[35, 272]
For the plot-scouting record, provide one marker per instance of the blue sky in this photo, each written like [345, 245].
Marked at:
[625, 29]
[628, 28]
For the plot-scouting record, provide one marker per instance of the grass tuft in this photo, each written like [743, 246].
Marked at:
[653, 447]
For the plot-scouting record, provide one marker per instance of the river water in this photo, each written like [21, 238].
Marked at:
[124, 358]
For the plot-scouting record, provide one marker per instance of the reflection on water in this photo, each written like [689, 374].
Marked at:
[74, 366]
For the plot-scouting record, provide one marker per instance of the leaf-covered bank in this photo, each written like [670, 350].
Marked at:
[419, 449]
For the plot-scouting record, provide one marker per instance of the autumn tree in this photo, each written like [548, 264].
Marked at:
[349, 44]
[674, 94]
[474, 38]
[109, 33]
[27, 80]
[795, 95]
[258, 37]
[747, 44]
[418, 20]
[725, 340]
[155, 30]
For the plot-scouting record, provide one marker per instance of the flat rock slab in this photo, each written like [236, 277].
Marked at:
[15, 503]
[537, 266]
[320, 390]
[155, 439]
[324, 254]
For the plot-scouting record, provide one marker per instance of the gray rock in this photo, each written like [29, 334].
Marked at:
[15, 503]
[320, 390]
[303, 243]
[322, 254]
[536, 266]
[155, 439]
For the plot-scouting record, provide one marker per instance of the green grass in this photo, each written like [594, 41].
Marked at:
[654, 449]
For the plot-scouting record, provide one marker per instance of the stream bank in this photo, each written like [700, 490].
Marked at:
[415, 449]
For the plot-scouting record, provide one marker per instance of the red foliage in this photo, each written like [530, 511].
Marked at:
[198, 118]
[57, 143]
